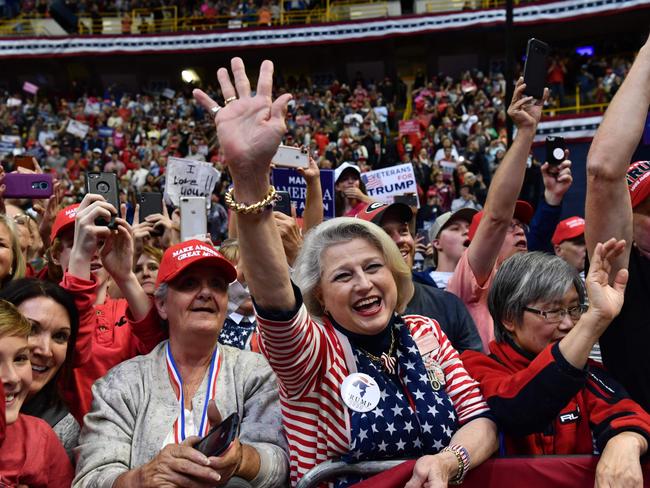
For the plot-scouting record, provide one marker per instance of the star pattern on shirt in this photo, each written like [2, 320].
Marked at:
[410, 420]
[237, 335]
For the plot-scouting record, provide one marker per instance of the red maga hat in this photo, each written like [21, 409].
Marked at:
[180, 256]
[64, 220]
[568, 229]
[523, 212]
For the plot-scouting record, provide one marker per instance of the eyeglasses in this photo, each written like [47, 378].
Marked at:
[554, 316]
[514, 224]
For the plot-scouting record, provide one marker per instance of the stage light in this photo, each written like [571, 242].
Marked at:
[190, 76]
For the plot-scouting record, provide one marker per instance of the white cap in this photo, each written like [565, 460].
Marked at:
[339, 171]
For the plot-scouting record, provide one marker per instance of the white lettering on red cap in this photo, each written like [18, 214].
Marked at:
[71, 212]
[192, 251]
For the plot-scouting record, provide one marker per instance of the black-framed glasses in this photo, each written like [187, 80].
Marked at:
[558, 315]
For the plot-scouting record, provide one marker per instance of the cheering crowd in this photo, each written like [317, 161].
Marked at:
[123, 342]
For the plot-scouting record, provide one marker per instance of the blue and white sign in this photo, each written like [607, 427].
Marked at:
[289, 180]
[383, 185]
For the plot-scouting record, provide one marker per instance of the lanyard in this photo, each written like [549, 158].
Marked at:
[175, 377]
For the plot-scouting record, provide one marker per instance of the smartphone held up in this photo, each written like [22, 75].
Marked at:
[106, 185]
[535, 68]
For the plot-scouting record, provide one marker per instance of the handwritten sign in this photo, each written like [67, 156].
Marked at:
[189, 178]
[384, 184]
[77, 128]
[289, 180]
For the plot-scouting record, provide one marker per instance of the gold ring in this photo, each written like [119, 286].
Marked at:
[230, 99]
[215, 109]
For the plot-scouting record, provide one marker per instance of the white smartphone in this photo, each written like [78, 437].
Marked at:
[194, 217]
[291, 157]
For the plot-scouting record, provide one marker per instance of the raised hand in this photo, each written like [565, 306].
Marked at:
[524, 110]
[312, 172]
[249, 128]
[605, 300]
[117, 252]
[557, 180]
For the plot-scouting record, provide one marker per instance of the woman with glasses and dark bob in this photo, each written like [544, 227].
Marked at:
[545, 394]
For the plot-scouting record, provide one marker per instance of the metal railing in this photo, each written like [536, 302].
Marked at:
[577, 108]
[24, 25]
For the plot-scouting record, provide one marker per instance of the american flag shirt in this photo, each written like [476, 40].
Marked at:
[238, 333]
[411, 419]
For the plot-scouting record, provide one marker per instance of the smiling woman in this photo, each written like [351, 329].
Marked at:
[148, 411]
[35, 456]
[546, 396]
[358, 381]
[55, 322]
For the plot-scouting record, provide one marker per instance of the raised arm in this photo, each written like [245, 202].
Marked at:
[313, 213]
[506, 185]
[250, 129]
[609, 158]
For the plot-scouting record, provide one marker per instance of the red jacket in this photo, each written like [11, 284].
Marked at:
[544, 405]
[32, 455]
[107, 336]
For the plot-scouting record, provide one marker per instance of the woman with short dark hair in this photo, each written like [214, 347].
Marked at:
[545, 394]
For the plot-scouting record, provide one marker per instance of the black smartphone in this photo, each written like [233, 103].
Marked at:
[424, 235]
[219, 438]
[106, 185]
[535, 68]
[282, 202]
[555, 148]
[151, 203]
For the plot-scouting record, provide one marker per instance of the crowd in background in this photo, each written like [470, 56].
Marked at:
[124, 339]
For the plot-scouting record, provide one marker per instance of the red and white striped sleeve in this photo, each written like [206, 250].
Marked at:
[297, 350]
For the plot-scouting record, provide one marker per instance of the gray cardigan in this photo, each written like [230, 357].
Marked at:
[134, 407]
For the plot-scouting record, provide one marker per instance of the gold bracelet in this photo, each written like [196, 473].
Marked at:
[254, 208]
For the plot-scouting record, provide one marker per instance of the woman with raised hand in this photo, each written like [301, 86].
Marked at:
[357, 380]
[546, 395]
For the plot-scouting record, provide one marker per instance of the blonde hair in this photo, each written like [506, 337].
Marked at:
[12, 322]
[153, 252]
[18, 260]
[230, 250]
[308, 267]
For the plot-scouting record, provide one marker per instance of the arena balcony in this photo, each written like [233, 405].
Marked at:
[165, 31]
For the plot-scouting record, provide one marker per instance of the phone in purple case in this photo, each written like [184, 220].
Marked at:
[19, 185]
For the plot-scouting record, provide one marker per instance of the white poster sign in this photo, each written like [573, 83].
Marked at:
[383, 185]
[77, 128]
[189, 178]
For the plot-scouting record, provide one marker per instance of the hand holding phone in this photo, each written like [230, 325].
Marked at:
[106, 185]
[219, 437]
[555, 150]
[291, 157]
